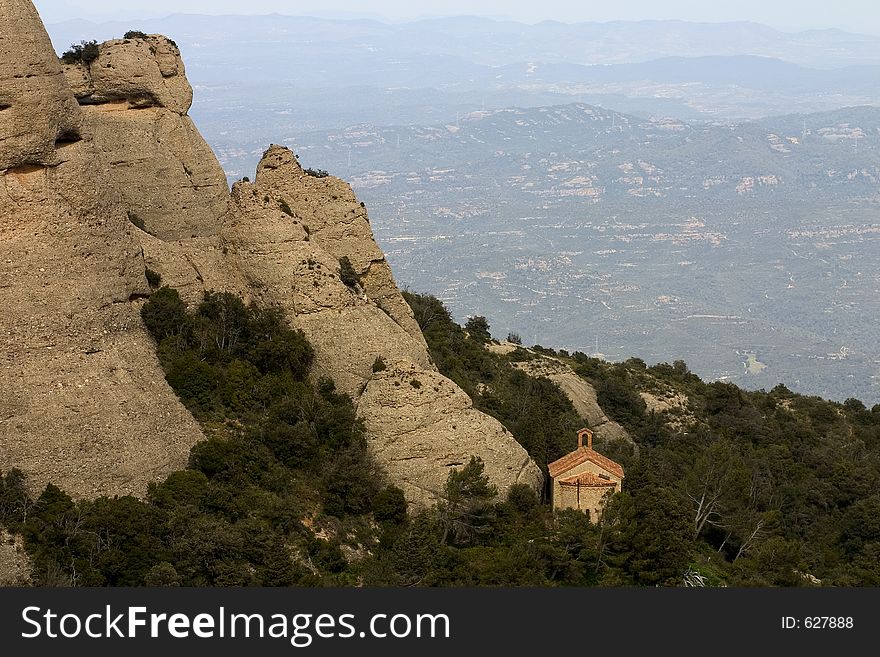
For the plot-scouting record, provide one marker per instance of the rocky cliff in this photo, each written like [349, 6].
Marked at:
[104, 174]
[135, 95]
[83, 401]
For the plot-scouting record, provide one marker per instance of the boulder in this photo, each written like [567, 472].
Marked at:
[421, 426]
[38, 114]
[135, 98]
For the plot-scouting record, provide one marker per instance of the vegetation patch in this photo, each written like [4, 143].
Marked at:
[84, 52]
[761, 489]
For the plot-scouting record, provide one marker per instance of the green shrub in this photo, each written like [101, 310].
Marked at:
[84, 52]
[478, 328]
[351, 481]
[379, 365]
[134, 34]
[294, 445]
[389, 505]
[180, 488]
[222, 323]
[162, 574]
[195, 381]
[284, 351]
[520, 355]
[316, 173]
[164, 314]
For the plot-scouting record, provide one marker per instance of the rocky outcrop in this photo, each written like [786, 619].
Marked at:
[672, 407]
[338, 223]
[421, 425]
[582, 395]
[93, 192]
[142, 72]
[287, 233]
[37, 111]
[83, 400]
[135, 98]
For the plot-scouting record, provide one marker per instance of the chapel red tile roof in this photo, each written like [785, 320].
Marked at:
[587, 479]
[581, 455]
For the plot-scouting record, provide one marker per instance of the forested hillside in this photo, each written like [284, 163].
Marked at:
[755, 488]
[726, 488]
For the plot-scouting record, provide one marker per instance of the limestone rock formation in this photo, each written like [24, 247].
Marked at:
[142, 72]
[36, 108]
[83, 400]
[421, 425]
[287, 232]
[93, 192]
[582, 396]
[672, 407]
[191, 266]
[338, 223]
[135, 97]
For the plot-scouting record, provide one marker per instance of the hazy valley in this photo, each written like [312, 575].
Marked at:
[682, 223]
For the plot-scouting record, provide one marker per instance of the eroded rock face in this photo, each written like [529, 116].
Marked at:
[286, 233]
[90, 196]
[83, 401]
[338, 223]
[192, 266]
[36, 107]
[134, 98]
[146, 72]
[283, 266]
[421, 425]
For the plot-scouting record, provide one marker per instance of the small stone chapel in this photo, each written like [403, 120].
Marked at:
[583, 478]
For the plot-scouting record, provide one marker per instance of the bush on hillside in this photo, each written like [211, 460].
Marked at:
[84, 52]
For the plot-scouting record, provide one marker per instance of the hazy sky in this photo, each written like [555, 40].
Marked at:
[854, 15]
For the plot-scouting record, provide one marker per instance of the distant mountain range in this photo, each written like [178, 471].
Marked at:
[598, 154]
[494, 43]
[749, 250]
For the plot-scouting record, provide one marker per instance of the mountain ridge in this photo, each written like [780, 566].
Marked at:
[291, 240]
